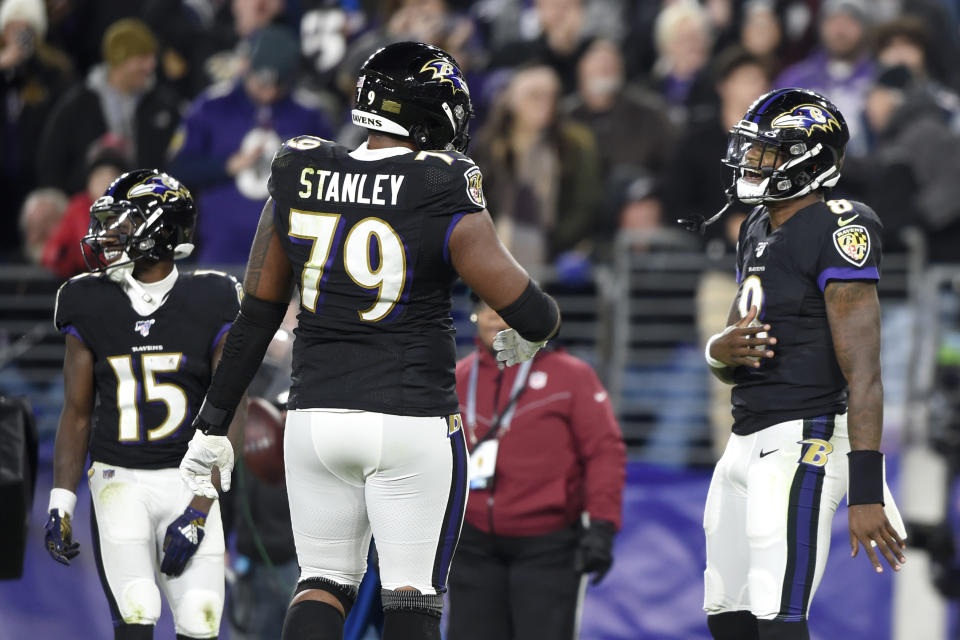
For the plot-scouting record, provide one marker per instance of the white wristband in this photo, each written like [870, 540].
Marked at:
[713, 362]
[64, 500]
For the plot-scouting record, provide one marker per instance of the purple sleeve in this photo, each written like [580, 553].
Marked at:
[846, 273]
[216, 339]
[71, 330]
[446, 238]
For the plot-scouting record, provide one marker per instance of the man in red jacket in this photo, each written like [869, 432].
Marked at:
[547, 469]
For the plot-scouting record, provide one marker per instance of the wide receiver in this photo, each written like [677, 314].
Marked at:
[374, 239]
[802, 349]
[142, 342]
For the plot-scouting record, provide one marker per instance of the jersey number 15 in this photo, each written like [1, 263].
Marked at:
[128, 427]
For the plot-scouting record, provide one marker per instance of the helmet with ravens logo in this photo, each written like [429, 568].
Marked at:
[143, 215]
[415, 90]
[789, 143]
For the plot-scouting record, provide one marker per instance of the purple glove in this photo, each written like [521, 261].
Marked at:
[183, 537]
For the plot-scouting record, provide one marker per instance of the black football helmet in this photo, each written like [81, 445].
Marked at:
[415, 90]
[143, 214]
[789, 143]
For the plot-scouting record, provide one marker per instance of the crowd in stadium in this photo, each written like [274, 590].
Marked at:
[590, 116]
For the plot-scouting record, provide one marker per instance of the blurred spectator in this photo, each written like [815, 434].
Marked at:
[33, 75]
[696, 181]
[542, 171]
[118, 96]
[62, 253]
[905, 41]
[227, 141]
[236, 22]
[914, 163]
[188, 33]
[682, 35]
[544, 441]
[633, 134]
[631, 128]
[841, 67]
[562, 41]
[761, 34]
[41, 211]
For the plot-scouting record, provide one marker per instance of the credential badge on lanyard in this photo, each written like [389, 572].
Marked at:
[483, 459]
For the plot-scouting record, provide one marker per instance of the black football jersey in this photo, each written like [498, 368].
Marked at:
[367, 240]
[784, 273]
[151, 372]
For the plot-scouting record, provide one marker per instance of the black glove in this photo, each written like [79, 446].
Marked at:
[594, 553]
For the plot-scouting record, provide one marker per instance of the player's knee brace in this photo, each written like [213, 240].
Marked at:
[133, 632]
[345, 595]
[733, 625]
[197, 614]
[410, 615]
[783, 630]
[312, 620]
[139, 603]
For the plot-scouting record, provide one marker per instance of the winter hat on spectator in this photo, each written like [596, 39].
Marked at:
[274, 51]
[855, 8]
[125, 39]
[33, 12]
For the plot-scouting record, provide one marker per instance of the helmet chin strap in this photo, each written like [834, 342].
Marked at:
[699, 223]
[122, 274]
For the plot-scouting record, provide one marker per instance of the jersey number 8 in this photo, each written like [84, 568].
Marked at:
[387, 278]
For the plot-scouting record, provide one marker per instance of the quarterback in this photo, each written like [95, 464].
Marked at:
[142, 342]
[802, 351]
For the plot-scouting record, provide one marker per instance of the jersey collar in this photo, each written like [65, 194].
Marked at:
[363, 153]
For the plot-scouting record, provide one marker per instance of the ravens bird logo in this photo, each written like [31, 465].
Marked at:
[445, 71]
[162, 186]
[806, 117]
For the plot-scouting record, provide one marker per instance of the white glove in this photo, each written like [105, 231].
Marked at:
[203, 453]
[510, 348]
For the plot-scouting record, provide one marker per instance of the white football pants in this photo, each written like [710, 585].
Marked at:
[350, 473]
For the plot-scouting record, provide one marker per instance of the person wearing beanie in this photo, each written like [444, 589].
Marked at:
[120, 96]
[33, 76]
[229, 136]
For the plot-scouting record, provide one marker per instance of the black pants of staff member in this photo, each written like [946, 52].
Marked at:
[514, 588]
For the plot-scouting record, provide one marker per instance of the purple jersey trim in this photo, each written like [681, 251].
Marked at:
[846, 273]
[446, 238]
[73, 331]
[220, 334]
[739, 276]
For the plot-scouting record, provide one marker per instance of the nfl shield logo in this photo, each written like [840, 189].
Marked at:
[107, 474]
[143, 327]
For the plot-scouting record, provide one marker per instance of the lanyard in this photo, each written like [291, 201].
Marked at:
[500, 420]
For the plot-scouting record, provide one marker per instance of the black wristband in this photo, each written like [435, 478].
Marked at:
[534, 314]
[212, 421]
[865, 483]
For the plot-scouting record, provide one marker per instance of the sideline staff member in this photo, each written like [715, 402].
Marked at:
[545, 447]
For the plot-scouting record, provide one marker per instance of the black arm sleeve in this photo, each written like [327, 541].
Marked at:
[534, 315]
[249, 337]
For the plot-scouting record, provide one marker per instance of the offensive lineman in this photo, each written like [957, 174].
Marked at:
[807, 403]
[374, 239]
[142, 340]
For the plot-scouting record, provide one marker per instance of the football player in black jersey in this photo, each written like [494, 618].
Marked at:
[142, 342]
[374, 238]
[802, 351]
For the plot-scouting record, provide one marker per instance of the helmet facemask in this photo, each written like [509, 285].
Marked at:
[121, 234]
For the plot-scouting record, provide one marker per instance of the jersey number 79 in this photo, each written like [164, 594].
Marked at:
[387, 278]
